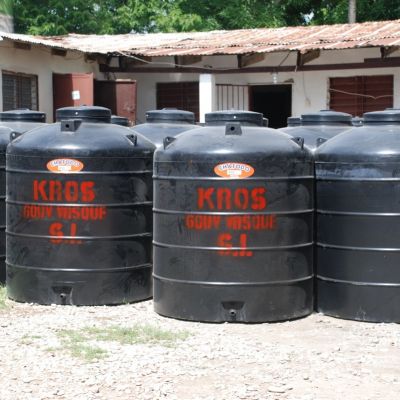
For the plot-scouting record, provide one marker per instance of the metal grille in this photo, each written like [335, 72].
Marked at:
[232, 97]
[19, 91]
[359, 94]
[182, 95]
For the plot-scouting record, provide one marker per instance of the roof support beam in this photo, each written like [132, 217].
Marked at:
[125, 63]
[387, 51]
[304, 58]
[244, 60]
[22, 46]
[368, 63]
[58, 52]
[187, 60]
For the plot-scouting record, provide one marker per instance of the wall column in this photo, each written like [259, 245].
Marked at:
[207, 94]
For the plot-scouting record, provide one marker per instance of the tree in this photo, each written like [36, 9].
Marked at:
[58, 17]
[6, 7]
[336, 12]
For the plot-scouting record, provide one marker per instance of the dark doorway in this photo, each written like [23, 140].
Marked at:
[274, 101]
[119, 96]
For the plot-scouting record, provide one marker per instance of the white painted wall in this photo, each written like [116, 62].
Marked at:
[309, 89]
[39, 61]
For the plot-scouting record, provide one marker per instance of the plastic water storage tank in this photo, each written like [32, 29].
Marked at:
[233, 225]
[22, 120]
[292, 123]
[246, 118]
[79, 213]
[318, 127]
[5, 135]
[358, 208]
[117, 120]
[94, 114]
[166, 122]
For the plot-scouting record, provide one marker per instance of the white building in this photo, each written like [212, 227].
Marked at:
[281, 72]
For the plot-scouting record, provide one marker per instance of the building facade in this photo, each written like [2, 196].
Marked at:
[353, 68]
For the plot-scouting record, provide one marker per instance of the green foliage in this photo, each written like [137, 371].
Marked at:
[335, 12]
[83, 343]
[3, 296]
[58, 17]
[6, 7]
[145, 334]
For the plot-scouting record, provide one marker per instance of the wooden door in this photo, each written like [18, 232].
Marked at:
[119, 96]
[72, 90]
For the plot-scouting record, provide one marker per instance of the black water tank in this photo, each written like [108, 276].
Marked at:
[166, 122]
[292, 122]
[358, 209]
[318, 127]
[118, 120]
[246, 118]
[5, 134]
[94, 114]
[233, 225]
[22, 120]
[79, 214]
[357, 122]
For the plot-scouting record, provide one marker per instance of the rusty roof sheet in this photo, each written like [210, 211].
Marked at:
[243, 41]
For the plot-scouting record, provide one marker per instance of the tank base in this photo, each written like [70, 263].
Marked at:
[233, 303]
[369, 303]
[80, 288]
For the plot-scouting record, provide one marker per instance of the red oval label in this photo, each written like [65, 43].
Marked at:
[65, 165]
[234, 170]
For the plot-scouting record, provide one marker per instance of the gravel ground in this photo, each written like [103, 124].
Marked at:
[312, 358]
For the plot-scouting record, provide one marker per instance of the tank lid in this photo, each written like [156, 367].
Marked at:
[387, 116]
[170, 115]
[23, 115]
[85, 113]
[293, 121]
[357, 121]
[248, 117]
[118, 120]
[326, 116]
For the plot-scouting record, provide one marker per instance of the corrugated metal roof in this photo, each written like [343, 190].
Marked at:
[300, 38]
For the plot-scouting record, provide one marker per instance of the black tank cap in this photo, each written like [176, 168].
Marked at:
[170, 115]
[23, 115]
[246, 117]
[357, 121]
[386, 116]
[293, 121]
[85, 113]
[326, 116]
[117, 120]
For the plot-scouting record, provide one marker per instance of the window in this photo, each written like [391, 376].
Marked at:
[359, 94]
[19, 91]
[182, 95]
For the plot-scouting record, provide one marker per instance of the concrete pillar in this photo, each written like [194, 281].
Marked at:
[6, 23]
[207, 95]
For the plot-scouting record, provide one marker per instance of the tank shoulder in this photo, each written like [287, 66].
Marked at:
[86, 139]
[5, 136]
[359, 144]
[215, 140]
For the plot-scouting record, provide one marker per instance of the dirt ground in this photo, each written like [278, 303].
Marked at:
[89, 353]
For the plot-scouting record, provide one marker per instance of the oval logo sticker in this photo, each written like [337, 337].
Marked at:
[64, 165]
[232, 170]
